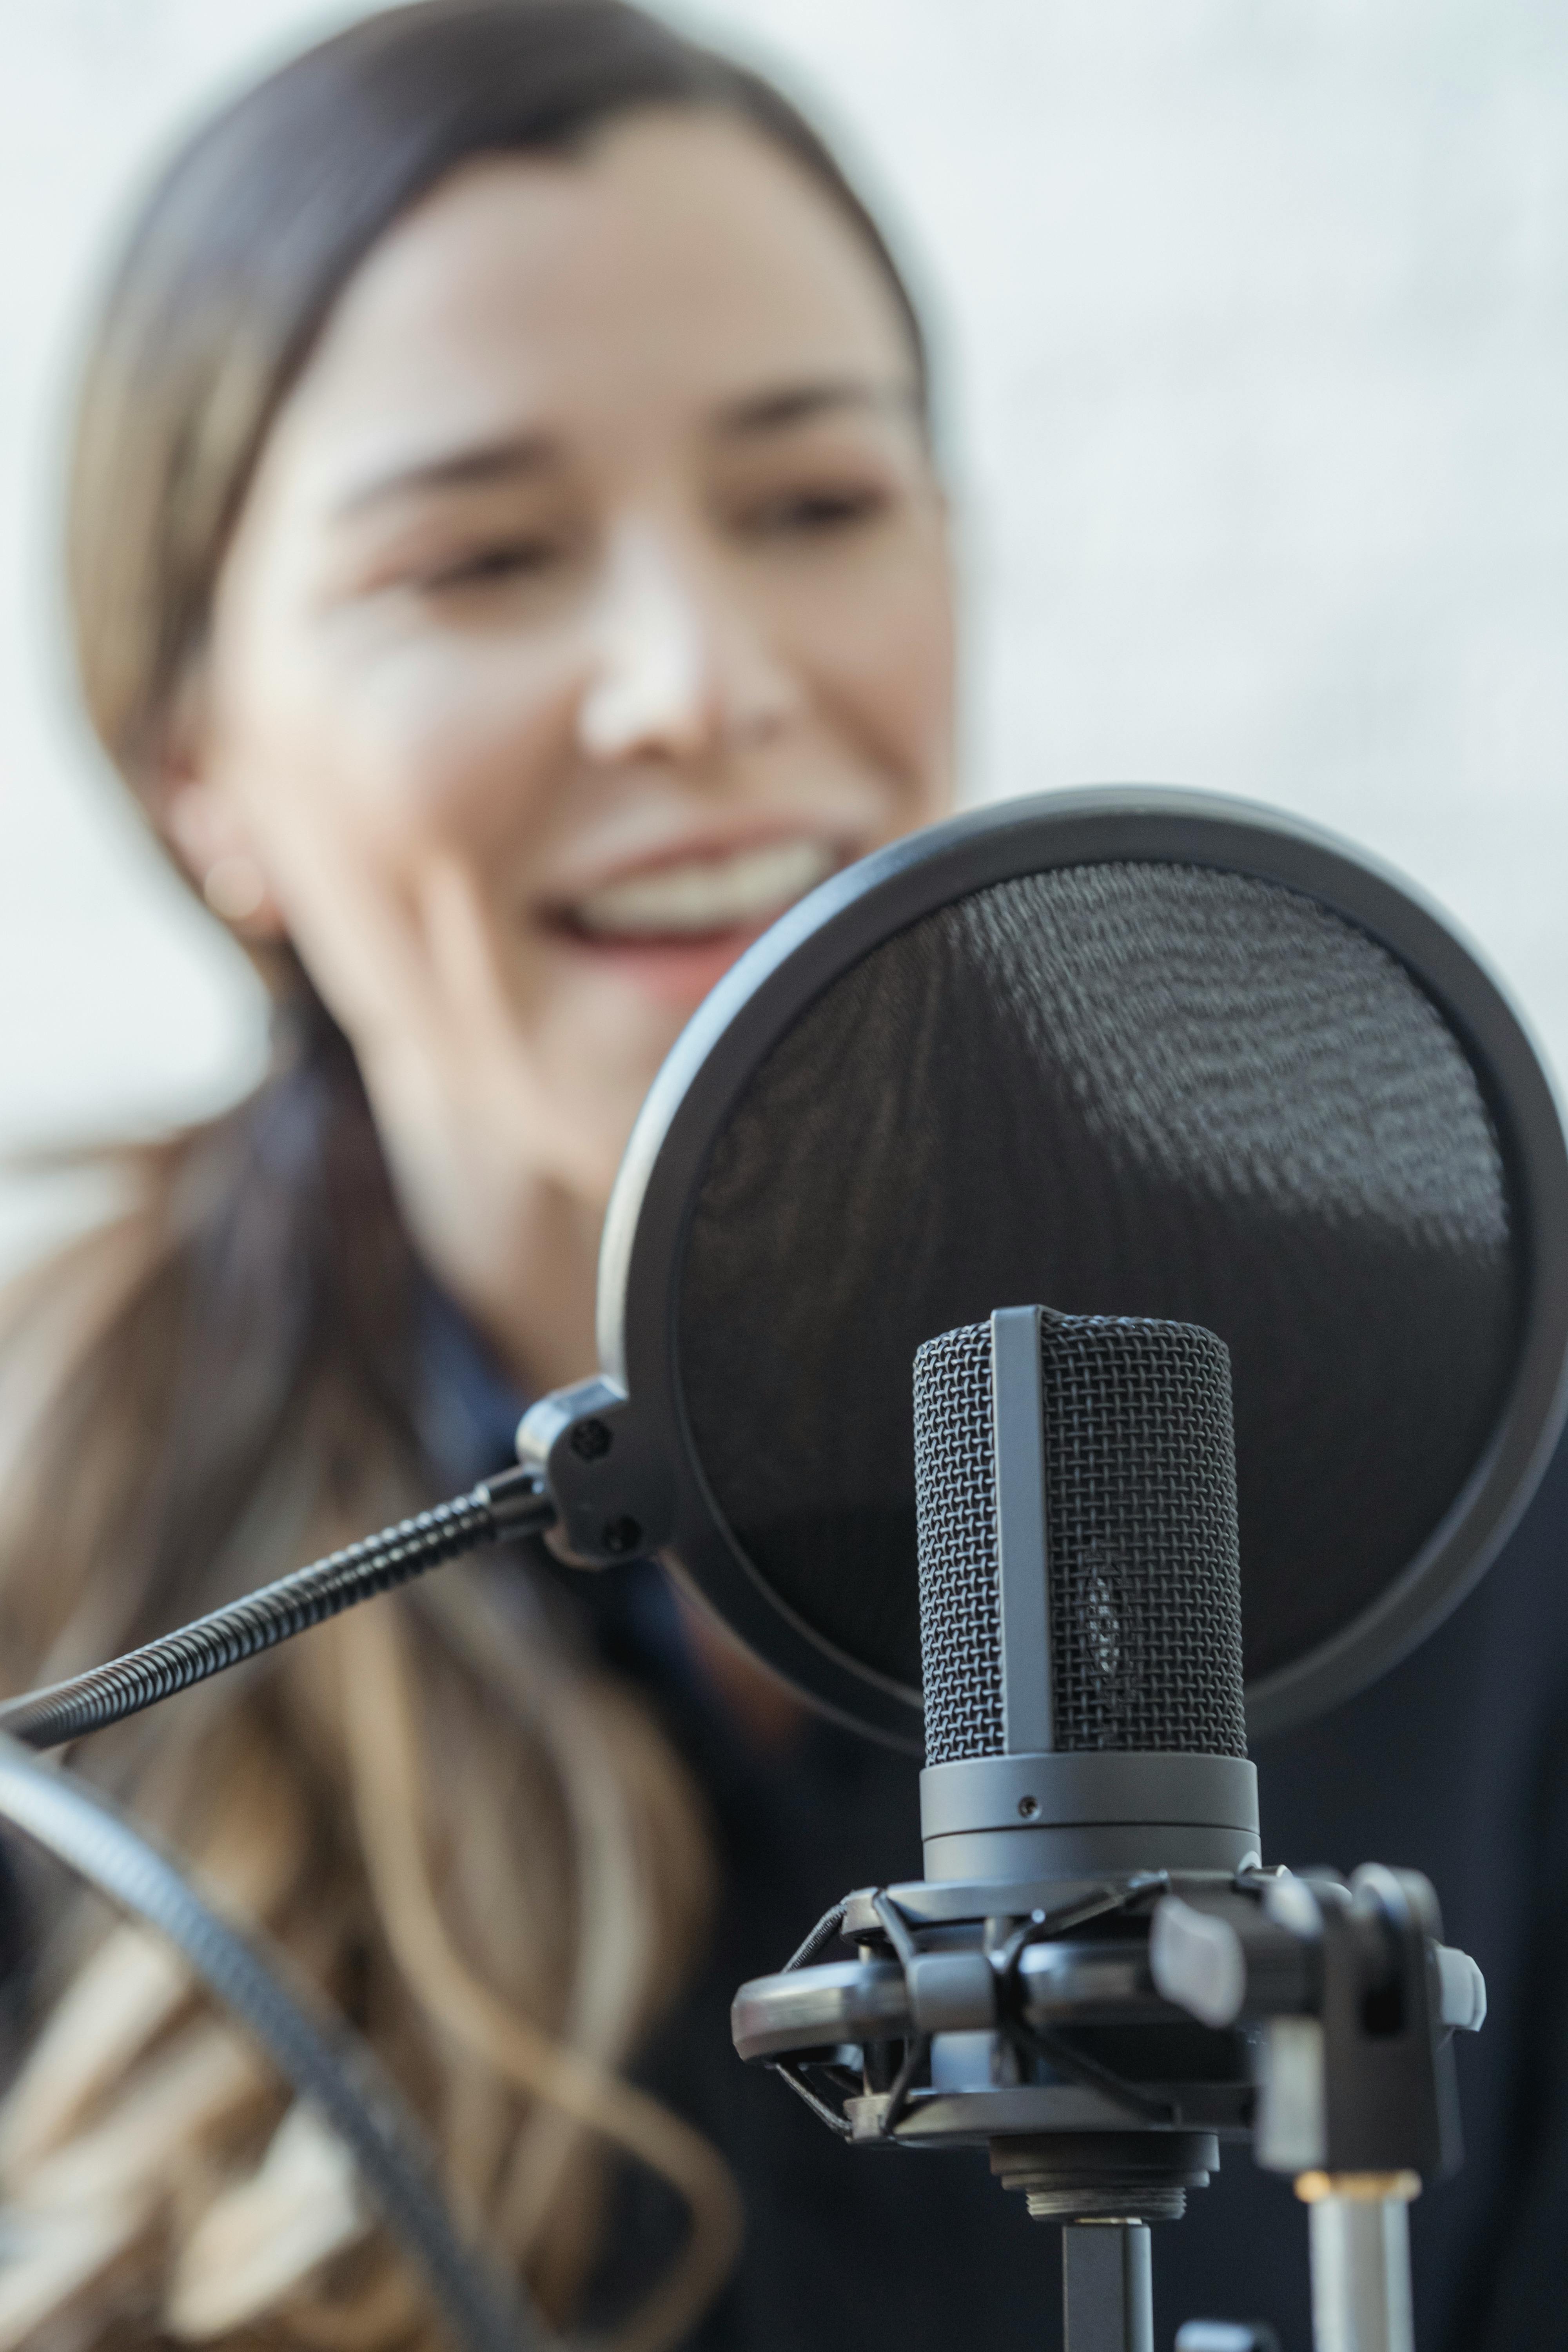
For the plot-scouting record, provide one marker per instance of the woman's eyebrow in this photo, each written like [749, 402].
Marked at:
[796, 403]
[480, 461]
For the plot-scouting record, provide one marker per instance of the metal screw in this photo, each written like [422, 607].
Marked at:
[1029, 1807]
[591, 1441]
[621, 1537]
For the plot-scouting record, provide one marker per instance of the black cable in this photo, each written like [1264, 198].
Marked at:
[328, 2065]
[514, 1503]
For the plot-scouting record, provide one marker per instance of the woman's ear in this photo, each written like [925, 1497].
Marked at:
[199, 815]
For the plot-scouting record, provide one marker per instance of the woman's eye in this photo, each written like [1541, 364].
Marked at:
[481, 567]
[810, 511]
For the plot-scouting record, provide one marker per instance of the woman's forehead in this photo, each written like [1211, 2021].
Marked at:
[680, 268]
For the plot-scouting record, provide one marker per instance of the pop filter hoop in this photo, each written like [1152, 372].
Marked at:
[831, 933]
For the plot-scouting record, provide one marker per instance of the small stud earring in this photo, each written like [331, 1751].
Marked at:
[234, 888]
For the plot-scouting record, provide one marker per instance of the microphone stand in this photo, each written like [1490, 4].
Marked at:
[1361, 2259]
[1107, 2287]
[1103, 2036]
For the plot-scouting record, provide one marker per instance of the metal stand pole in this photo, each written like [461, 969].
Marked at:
[1107, 2288]
[1361, 2259]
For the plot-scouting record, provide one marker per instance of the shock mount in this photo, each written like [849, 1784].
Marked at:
[1101, 2038]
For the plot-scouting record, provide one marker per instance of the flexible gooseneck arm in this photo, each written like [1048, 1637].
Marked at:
[498, 1509]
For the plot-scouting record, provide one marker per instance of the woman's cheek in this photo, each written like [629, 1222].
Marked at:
[893, 679]
[888, 619]
[467, 739]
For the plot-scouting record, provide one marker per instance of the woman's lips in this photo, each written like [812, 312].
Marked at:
[672, 930]
[694, 897]
[676, 972]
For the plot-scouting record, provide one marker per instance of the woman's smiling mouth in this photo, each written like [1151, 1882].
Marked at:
[673, 928]
[698, 897]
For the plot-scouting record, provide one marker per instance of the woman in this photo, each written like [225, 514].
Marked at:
[508, 567]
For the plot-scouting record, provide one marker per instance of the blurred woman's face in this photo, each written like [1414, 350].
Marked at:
[590, 606]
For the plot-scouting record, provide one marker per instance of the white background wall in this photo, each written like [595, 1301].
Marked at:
[1255, 318]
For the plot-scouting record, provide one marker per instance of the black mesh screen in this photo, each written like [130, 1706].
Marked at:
[1127, 1089]
[955, 1528]
[1142, 1533]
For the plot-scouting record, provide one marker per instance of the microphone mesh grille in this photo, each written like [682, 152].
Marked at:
[1141, 1512]
[955, 1522]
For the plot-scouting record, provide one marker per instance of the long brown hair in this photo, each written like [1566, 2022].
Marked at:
[476, 1839]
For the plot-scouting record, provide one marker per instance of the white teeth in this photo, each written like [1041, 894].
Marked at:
[707, 894]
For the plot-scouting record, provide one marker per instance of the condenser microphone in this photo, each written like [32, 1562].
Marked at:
[1080, 1600]
[1095, 1976]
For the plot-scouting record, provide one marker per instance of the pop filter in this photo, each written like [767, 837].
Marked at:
[1131, 1052]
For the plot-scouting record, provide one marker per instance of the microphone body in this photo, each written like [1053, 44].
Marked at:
[1080, 1600]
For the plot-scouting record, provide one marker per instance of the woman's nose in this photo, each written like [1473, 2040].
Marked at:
[678, 672]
